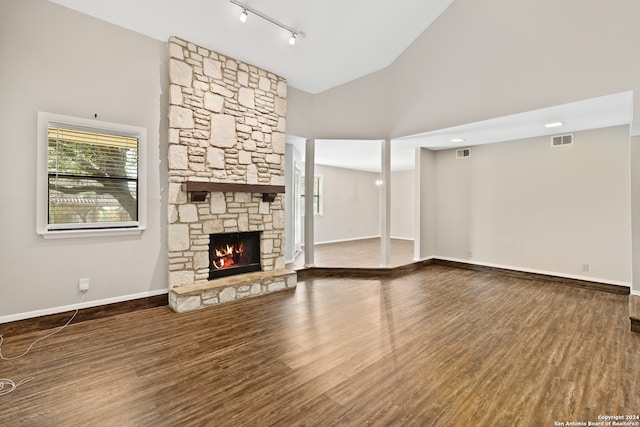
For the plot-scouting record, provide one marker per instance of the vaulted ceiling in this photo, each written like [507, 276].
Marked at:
[338, 41]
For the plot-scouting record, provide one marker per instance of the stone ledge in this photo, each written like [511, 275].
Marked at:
[226, 289]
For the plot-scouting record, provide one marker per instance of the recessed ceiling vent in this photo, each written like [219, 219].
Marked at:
[562, 140]
[463, 152]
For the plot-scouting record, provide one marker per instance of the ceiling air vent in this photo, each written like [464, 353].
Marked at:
[463, 152]
[562, 140]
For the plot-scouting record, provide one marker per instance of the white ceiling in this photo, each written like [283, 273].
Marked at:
[341, 40]
[594, 113]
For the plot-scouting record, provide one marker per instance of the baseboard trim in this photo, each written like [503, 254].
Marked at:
[382, 272]
[353, 239]
[95, 311]
[361, 273]
[610, 287]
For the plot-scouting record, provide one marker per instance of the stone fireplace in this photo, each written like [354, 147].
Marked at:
[226, 175]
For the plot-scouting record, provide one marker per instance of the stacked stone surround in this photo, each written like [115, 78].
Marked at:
[226, 124]
[193, 297]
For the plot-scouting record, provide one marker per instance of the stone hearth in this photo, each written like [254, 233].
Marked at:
[193, 297]
[226, 125]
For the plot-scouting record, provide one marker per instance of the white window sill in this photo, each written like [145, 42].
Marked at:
[69, 234]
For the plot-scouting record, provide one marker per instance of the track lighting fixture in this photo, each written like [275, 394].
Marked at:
[245, 12]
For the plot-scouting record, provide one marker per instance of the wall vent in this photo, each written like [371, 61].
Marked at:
[463, 152]
[562, 140]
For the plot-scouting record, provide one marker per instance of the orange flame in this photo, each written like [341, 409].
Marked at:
[226, 256]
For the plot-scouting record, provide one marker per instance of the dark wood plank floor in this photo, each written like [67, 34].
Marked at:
[362, 253]
[442, 347]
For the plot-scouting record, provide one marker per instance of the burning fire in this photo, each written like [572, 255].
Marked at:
[227, 256]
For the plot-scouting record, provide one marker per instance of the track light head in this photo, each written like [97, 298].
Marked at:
[243, 15]
[292, 39]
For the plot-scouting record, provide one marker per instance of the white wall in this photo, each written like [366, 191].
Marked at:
[351, 205]
[299, 112]
[356, 110]
[452, 214]
[489, 58]
[402, 204]
[483, 59]
[60, 61]
[525, 205]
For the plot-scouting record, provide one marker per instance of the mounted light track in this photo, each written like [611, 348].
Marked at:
[294, 34]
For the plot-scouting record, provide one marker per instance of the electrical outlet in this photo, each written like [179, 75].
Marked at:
[585, 267]
[83, 285]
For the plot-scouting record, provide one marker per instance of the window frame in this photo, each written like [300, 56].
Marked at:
[319, 196]
[43, 227]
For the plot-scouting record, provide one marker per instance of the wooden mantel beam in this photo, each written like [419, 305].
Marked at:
[199, 189]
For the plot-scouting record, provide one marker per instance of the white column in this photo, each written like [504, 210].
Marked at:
[417, 228]
[309, 174]
[385, 204]
[424, 226]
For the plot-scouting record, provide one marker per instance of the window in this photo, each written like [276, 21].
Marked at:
[90, 177]
[317, 195]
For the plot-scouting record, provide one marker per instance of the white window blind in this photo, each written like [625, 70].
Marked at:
[93, 177]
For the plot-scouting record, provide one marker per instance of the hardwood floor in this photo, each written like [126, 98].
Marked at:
[362, 253]
[442, 347]
[52, 320]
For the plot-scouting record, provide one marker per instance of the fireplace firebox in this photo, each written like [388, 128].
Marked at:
[233, 253]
